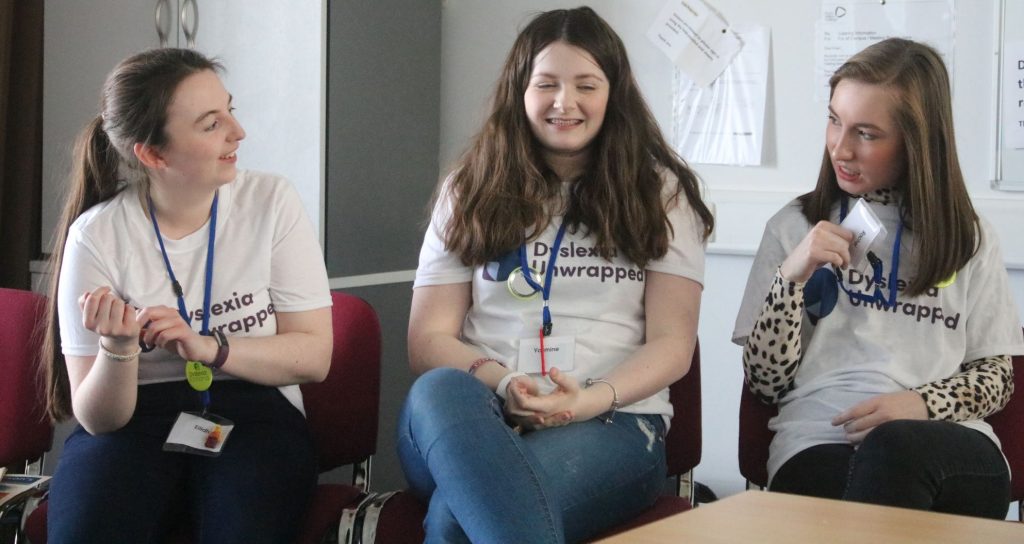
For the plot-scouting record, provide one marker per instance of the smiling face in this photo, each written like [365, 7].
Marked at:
[203, 135]
[565, 100]
[863, 140]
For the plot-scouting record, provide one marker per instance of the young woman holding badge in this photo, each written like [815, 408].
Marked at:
[556, 299]
[190, 299]
[884, 372]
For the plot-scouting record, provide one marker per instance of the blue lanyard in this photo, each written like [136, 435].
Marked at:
[876, 266]
[207, 289]
[549, 275]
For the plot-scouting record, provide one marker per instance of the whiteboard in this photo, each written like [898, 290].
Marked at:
[478, 34]
[1010, 97]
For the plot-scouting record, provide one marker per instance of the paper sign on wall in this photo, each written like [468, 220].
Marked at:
[723, 123]
[696, 38]
[847, 26]
[1012, 117]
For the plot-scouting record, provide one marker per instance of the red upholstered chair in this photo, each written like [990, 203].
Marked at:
[342, 413]
[754, 438]
[1007, 424]
[25, 430]
[397, 517]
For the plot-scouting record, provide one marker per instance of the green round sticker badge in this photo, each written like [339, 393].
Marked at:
[199, 376]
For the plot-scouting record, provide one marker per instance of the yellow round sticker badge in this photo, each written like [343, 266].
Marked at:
[199, 376]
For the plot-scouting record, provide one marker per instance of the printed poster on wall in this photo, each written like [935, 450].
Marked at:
[1012, 118]
[847, 27]
[696, 38]
[723, 123]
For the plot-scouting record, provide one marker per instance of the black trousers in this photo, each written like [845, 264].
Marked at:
[122, 487]
[925, 465]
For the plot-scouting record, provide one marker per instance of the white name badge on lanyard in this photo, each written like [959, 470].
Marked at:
[559, 352]
[198, 434]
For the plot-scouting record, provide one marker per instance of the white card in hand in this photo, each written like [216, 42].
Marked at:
[866, 229]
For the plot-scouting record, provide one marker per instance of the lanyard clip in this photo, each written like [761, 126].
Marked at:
[547, 329]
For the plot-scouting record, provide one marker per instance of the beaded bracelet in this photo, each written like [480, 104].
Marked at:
[117, 356]
[615, 396]
[481, 361]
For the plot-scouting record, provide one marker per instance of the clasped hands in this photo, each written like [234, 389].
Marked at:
[123, 326]
[568, 402]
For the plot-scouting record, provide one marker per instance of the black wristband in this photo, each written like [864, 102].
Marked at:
[222, 350]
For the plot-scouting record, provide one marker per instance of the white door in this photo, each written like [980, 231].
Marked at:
[273, 52]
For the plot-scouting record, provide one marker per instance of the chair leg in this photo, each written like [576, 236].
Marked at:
[32, 468]
[350, 525]
[361, 474]
[753, 486]
[35, 468]
[685, 487]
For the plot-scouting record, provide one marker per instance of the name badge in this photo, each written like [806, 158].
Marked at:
[866, 228]
[198, 434]
[559, 352]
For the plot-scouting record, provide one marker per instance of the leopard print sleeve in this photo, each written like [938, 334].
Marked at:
[982, 388]
[772, 352]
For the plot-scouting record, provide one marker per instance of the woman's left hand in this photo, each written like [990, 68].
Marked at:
[164, 327]
[864, 416]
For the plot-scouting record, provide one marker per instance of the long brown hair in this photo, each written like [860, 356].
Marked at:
[935, 203]
[502, 187]
[133, 109]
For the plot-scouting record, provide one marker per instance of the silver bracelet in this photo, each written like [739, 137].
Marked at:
[118, 357]
[615, 396]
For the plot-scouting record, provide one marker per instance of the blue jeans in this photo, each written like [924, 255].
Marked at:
[122, 487]
[487, 483]
[925, 465]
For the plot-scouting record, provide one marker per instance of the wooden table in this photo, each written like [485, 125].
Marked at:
[762, 517]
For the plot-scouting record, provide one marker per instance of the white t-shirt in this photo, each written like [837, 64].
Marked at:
[599, 302]
[859, 351]
[266, 260]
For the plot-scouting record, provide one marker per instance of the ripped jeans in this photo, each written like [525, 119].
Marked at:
[486, 483]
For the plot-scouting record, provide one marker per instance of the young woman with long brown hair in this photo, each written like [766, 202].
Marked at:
[883, 374]
[189, 299]
[556, 299]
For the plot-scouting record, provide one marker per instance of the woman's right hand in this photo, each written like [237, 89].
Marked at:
[103, 395]
[826, 243]
[107, 315]
[557, 405]
[517, 389]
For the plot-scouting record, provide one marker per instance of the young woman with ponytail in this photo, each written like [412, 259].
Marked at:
[189, 300]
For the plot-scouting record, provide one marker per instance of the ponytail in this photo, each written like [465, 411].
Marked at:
[134, 103]
[94, 179]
